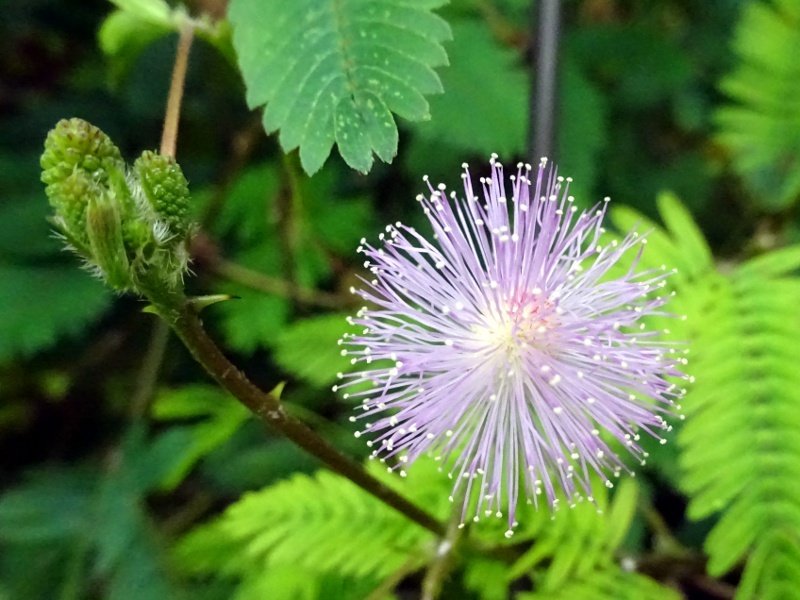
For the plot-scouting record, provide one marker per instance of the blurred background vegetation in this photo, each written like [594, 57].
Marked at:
[114, 444]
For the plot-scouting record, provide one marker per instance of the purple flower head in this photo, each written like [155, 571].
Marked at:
[503, 347]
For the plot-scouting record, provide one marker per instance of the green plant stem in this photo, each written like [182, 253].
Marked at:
[395, 577]
[273, 285]
[148, 375]
[664, 538]
[444, 559]
[267, 407]
[169, 135]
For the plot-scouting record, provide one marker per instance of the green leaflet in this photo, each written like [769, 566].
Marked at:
[34, 320]
[468, 116]
[574, 539]
[309, 348]
[218, 418]
[336, 71]
[573, 555]
[761, 126]
[606, 583]
[68, 513]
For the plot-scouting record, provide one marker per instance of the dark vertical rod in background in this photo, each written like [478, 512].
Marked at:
[546, 24]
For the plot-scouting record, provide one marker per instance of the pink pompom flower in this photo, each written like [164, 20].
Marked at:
[503, 347]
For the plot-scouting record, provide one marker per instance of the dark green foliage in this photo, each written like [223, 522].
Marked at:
[84, 519]
[213, 418]
[581, 133]
[485, 107]
[41, 304]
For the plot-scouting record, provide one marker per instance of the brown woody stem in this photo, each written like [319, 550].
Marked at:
[267, 407]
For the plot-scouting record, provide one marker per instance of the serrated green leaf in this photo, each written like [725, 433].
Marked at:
[334, 71]
[42, 304]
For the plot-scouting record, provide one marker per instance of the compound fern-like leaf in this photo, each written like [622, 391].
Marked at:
[573, 552]
[336, 70]
[762, 128]
[739, 445]
[324, 524]
[741, 452]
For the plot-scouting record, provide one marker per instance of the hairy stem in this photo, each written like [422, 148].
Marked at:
[267, 407]
[169, 136]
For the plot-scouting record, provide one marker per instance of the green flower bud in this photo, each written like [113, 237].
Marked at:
[104, 230]
[166, 189]
[75, 145]
[130, 226]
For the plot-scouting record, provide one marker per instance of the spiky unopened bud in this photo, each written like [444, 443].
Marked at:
[130, 226]
[74, 144]
[166, 188]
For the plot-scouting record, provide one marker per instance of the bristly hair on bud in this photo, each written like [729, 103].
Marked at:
[504, 348]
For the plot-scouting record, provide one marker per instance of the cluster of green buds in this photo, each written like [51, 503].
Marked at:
[130, 225]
